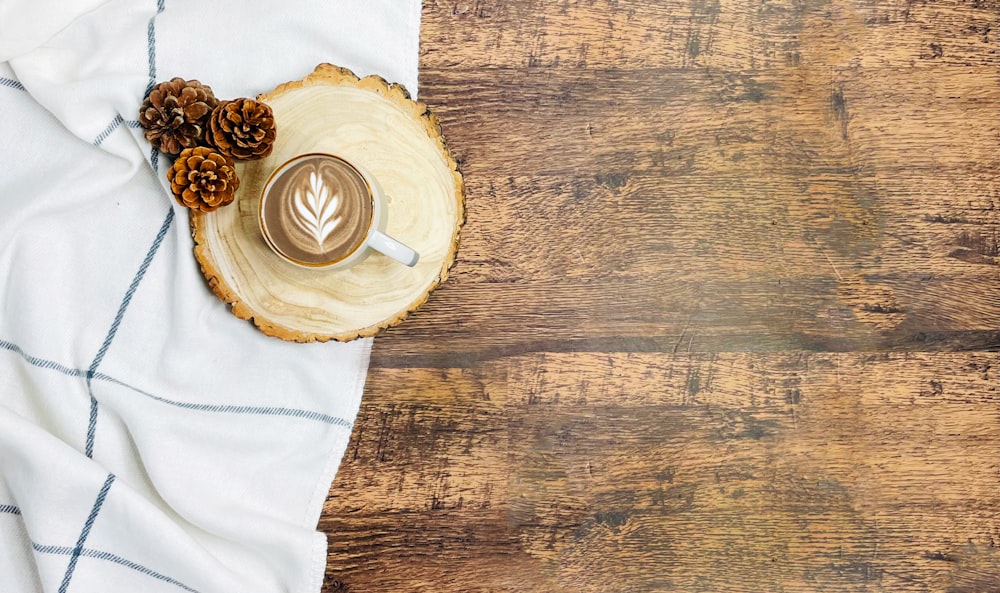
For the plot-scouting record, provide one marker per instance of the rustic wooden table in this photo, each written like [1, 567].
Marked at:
[725, 316]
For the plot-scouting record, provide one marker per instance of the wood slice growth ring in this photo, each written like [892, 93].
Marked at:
[378, 126]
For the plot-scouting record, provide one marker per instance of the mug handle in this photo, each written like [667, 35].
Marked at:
[386, 245]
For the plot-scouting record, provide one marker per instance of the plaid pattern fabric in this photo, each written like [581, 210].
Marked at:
[150, 440]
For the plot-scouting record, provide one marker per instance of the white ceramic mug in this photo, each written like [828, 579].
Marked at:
[318, 210]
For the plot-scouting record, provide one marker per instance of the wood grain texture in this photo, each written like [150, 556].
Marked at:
[674, 472]
[841, 199]
[724, 317]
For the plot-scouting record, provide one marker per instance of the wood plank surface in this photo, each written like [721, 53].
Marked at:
[726, 311]
[675, 472]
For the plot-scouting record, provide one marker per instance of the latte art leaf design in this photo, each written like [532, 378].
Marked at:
[315, 209]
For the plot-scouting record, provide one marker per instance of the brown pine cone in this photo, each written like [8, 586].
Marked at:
[243, 129]
[175, 114]
[202, 179]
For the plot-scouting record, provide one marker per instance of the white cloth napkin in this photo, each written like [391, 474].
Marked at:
[150, 440]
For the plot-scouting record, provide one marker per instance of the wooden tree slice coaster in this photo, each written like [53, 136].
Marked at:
[399, 142]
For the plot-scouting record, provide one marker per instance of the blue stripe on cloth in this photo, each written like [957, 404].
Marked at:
[85, 532]
[60, 550]
[91, 423]
[218, 408]
[100, 555]
[139, 275]
[154, 155]
[11, 83]
[143, 267]
[41, 362]
[117, 121]
[234, 409]
[10, 509]
[133, 123]
[151, 44]
[151, 51]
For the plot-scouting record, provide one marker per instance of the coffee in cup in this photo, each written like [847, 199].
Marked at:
[321, 211]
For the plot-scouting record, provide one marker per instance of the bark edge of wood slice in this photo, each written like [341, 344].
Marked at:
[376, 124]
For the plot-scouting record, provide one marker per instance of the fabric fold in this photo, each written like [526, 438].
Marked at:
[149, 439]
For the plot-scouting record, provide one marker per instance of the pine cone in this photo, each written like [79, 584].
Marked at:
[202, 179]
[175, 114]
[243, 129]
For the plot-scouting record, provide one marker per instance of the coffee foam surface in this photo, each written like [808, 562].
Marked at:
[317, 211]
